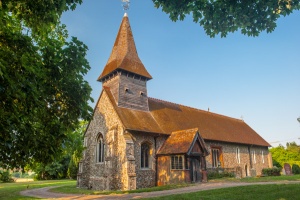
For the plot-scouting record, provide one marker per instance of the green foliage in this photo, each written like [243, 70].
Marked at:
[76, 148]
[223, 17]
[295, 169]
[271, 171]
[41, 16]
[22, 175]
[54, 170]
[72, 169]
[43, 93]
[289, 154]
[66, 164]
[6, 177]
[277, 164]
[219, 174]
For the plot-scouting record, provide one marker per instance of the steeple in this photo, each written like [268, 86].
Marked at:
[124, 73]
[124, 56]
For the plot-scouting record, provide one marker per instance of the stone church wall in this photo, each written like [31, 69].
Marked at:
[110, 174]
[146, 177]
[230, 159]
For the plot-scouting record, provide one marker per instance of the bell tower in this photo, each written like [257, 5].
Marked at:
[124, 72]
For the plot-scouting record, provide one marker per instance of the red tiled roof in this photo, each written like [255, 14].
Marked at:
[124, 55]
[179, 142]
[135, 119]
[166, 117]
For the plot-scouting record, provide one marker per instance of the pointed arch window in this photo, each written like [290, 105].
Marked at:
[145, 152]
[100, 149]
[238, 158]
[253, 157]
[262, 157]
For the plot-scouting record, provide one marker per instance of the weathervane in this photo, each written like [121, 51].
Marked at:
[126, 4]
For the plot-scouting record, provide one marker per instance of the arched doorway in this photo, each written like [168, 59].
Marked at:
[246, 170]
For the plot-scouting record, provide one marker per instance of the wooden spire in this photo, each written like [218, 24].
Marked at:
[124, 55]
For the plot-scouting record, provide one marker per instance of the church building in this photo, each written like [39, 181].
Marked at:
[135, 141]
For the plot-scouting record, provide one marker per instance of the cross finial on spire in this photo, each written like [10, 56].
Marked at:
[125, 5]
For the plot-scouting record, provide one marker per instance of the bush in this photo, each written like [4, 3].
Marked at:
[219, 174]
[72, 170]
[5, 177]
[295, 169]
[275, 171]
[16, 174]
[276, 164]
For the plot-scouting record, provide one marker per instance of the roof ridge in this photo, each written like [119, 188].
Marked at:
[213, 113]
[189, 129]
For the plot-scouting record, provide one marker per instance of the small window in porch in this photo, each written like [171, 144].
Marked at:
[177, 162]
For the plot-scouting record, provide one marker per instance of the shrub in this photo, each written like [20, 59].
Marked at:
[276, 164]
[72, 170]
[5, 176]
[295, 169]
[16, 174]
[275, 171]
[219, 174]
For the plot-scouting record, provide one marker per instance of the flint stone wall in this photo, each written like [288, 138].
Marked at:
[146, 177]
[110, 174]
[230, 157]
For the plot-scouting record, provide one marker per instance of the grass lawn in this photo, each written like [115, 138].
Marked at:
[259, 179]
[256, 192]
[277, 191]
[71, 189]
[11, 190]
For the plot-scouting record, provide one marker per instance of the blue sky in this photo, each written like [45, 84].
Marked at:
[257, 79]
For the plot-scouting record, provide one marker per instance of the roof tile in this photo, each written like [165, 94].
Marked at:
[124, 55]
[166, 117]
[179, 142]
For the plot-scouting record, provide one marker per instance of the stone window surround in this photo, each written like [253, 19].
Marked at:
[80, 167]
[149, 156]
[238, 157]
[262, 157]
[253, 157]
[216, 162]
[100, 147]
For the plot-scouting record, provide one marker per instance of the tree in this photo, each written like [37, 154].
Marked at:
[43, 94]
[64, 165]
[290, 154]
[222, 17]
[75, 149]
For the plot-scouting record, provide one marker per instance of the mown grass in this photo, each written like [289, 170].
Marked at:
[260, 179]
[12, 191]
[276, 191]
[71, 189]
[257, 192]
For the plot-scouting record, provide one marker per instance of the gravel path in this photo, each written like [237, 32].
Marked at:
[46, 194]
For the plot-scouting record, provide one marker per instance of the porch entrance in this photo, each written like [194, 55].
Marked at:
[195, 170]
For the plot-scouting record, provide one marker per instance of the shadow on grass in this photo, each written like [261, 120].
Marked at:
[71, 189]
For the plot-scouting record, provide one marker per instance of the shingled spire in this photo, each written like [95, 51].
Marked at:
[124, 55]
[124, 74]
